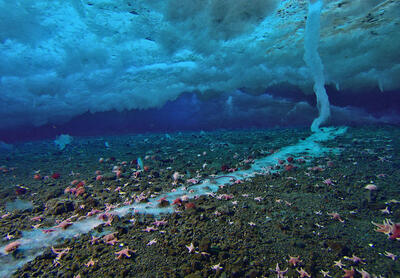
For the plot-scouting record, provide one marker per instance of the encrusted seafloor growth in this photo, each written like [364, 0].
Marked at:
[34, 242]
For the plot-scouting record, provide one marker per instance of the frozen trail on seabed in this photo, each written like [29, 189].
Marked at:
[34, 242]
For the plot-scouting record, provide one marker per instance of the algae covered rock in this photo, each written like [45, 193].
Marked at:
[58, 207]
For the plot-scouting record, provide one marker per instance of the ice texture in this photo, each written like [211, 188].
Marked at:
[59, 59]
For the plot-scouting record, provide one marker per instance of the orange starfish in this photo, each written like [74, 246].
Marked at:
[385, 228]
[124, 252]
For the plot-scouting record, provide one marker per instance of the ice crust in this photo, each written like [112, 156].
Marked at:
[60, 59]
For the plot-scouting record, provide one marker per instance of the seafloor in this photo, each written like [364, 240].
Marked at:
[243, 230]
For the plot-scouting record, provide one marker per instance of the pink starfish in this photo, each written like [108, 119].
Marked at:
[280, 273]
[336, 216]
[110, 207]
[149, 229]
[124, 252]
[160, 223]
[193, 181]
[12, 247]
[93, 212]
[355, 259]
[225, 196]
[37, 218]
[349, 273]
[303, 273]
[109, 220]
[48, 231]
[294, 260]
[389, 228]
[64, 224]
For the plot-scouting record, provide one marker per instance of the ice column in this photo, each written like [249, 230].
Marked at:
[314, 63]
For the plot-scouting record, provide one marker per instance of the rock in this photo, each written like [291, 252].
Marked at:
[58, 207]
[252, 273]
[204, 245]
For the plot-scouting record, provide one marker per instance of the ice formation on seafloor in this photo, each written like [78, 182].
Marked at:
[102, 55]
[62, 141]
[34, 242]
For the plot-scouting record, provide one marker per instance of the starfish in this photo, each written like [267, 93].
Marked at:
[149, 229]
[160, 223]
[124, 252]
[325, 273]
[60, 252]
[37, 218]
[109, 220]
[349, 273]
[386, 210]
[48, 231]
[64, 224]
[355, 259]
[336, 216]
[303, 273]
[364, 274]
[11, 247]
[385, 228]
[390, 255]
[217, 267]
[190, 247]
[90, 263]
[294, 260]
[280, 273]
[339, 264]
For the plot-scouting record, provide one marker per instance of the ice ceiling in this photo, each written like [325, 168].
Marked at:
[59, 59]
